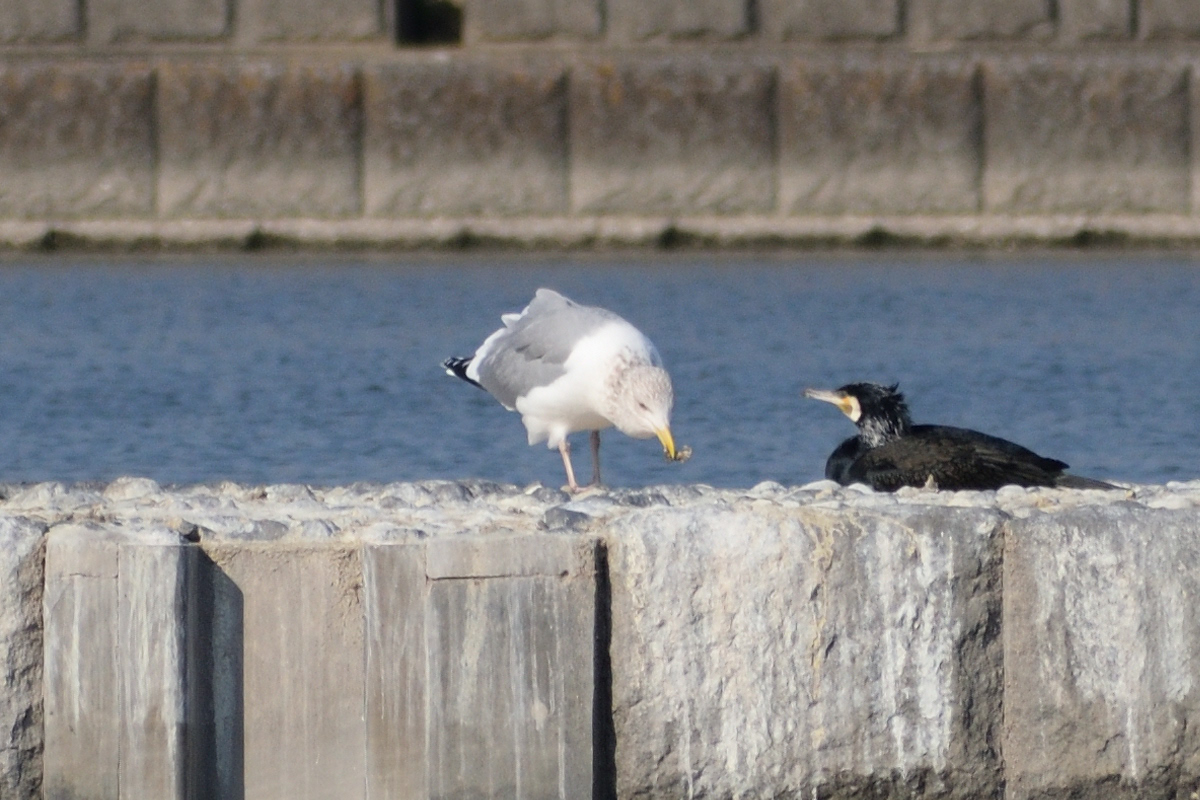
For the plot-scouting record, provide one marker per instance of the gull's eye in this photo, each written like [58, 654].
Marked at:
[643, 407]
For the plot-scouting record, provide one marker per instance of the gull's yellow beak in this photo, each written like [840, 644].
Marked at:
[668, 443]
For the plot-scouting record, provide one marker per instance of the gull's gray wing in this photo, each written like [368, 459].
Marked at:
[531, 349]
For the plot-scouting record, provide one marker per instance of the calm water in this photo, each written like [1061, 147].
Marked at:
[326, 370]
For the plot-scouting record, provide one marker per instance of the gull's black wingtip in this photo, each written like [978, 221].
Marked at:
[458, 368]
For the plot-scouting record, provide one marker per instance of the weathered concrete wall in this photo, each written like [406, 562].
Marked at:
[475, 640]
[580, 122]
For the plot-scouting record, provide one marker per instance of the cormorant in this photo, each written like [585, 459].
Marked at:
[890, 452]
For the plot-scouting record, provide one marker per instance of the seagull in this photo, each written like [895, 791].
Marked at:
[566, 367]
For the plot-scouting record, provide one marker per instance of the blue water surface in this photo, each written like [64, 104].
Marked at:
[326, 369]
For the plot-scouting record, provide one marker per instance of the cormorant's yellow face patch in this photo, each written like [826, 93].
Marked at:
[850, 407]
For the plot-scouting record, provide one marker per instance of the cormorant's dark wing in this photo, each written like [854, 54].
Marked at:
[955, 458]
[838, 464]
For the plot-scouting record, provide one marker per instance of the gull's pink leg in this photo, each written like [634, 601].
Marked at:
[564, 447]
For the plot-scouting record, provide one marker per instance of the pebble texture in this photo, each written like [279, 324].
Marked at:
[667, 642]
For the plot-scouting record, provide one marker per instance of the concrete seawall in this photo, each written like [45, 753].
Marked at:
[246, 123]
[477, 640]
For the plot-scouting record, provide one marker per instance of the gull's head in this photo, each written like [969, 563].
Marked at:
[640, 402]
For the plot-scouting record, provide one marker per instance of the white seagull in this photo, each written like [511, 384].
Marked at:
[565, 367]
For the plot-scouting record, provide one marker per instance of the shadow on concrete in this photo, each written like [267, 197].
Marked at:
[216, 746]
[604, 735]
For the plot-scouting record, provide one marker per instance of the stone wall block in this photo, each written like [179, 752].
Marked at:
[28, 21]
[639, 20]
[1086, 136]
[511, 665]
[82, 686]
[394, 599]
[259, 139]
[471, 138]
[1102, 655]
[156, 588]
[818, 652]
[76, 140]
[1168, 19]
[525, 20]
[119, 21]
[943, 20]
[672, 136]
[310, 21]
[22, 561]
[302, 668]
[880, 136]
[1085, 20]
[830, 20]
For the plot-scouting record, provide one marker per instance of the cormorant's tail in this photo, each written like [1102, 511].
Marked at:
[458, 368]
[1066, 481]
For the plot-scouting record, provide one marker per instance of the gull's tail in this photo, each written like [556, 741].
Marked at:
[458, 368]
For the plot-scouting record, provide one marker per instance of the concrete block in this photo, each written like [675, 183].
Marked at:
[472, 138]
[394, 600]
[510, 674]
[1102, 654]
[830, 19]
[156, 592]
[763, 650]
[934, 20]
[1086, 136]
[23, 21]
[879, 136]
[1084, 20]
[508, 557]
[524, 20]
[119, 21]
[76, 140]
[22, 560]
[635, 21]
[672, 136]
[82, 684]
[259, 139]
[1168, 19]
[310, 21]
[302, 668]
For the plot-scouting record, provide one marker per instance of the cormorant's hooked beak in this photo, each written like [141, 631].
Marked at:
[668, 442]
[846, 404]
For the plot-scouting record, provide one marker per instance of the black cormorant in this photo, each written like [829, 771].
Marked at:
[890, 452]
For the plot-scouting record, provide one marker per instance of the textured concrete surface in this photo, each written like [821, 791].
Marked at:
[472, 639]
[1086, 136]
[867, 136]
[453, 138]
[943, 20]
[259, 138]
[561, 145]
[128, 21]
[672, 136]
[76, 140]
[767, 648]
[1101, 647]
[832, 20]
[532, 20]
[22, 564]
[636, 21]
